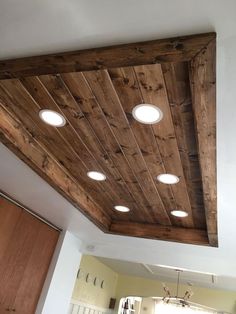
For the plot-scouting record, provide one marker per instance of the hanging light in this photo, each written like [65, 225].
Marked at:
[181, 300]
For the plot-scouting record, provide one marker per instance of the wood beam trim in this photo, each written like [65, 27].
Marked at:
[177, 83]
[17, 139]
[203, 86]
[159, 232]
[158, 51]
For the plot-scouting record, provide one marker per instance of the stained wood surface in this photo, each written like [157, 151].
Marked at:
[33, 154]
[25, 261]
[203, 86]
[158, 51]
[101, 134]
[152, 231]
[30, 287]
[10, 216]
[180, 103]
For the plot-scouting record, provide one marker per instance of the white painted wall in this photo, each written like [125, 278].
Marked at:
[59, 284]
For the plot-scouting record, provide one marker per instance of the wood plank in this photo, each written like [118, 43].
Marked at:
[109, 102]
[179, 94]
[19, 102]
[203, 86]
[89, 117]
[17, 139]
[36, 270]
[96, 117]
[127, 88]
[152, 86]
[153, 231]
[158, 51]
[50, 93]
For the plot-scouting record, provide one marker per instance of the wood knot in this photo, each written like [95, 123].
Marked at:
[178, 46]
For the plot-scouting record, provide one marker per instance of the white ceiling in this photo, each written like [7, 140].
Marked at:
[42, 26]
[163, 274]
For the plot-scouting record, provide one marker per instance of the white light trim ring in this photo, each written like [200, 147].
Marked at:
[122, 209]
[147, 114]
[168, 178]
[179, 213]
[52, 117]
[96, 175]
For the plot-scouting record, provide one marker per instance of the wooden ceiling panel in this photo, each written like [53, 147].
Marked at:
[96, 94]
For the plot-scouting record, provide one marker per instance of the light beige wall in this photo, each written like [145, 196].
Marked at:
[135, 286]
[87, 292]
[118, 286]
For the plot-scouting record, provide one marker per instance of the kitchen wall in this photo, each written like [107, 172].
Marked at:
[90, 292]
[118, 286]
[135, 286]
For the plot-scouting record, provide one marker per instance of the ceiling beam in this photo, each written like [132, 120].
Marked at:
[157, 51]
[159, 232]
[203, 85]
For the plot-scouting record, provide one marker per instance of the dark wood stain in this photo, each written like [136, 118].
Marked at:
[96, 91]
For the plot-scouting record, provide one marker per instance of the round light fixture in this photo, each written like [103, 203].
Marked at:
[147, 113]
[97, 176]
[168, 178]
[179, 213]
[52, 117]
[122, 209]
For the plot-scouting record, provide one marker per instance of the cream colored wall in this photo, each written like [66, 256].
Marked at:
[118, 286]
[135, 286]
[86, 291]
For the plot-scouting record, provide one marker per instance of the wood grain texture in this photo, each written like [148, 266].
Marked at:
[153, 231]
[128, 91]
[101, 134]
[55, 142]
[203, 86]
[104, 146]
[158, 51]
[10, 216]
[153, 89]
[104, 92]
[36, 269]
[15, 259]
[14, 135]
[180, 101]
[24, 264]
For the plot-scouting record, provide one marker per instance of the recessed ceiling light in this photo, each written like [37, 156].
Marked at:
[122, 209]
[147, 113]
[179, 213]
[97, 176]
[52, 117]
[168, 178]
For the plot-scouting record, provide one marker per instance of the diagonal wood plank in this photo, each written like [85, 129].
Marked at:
[179, 95]
[44, 98]
[104, 91]
[126, 85]
[20, 141]
[153, 90]
[91, 109]
[17, 101]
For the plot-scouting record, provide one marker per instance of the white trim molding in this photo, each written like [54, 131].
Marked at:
[77, 307]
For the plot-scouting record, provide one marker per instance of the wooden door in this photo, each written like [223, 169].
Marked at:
[24, 261]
